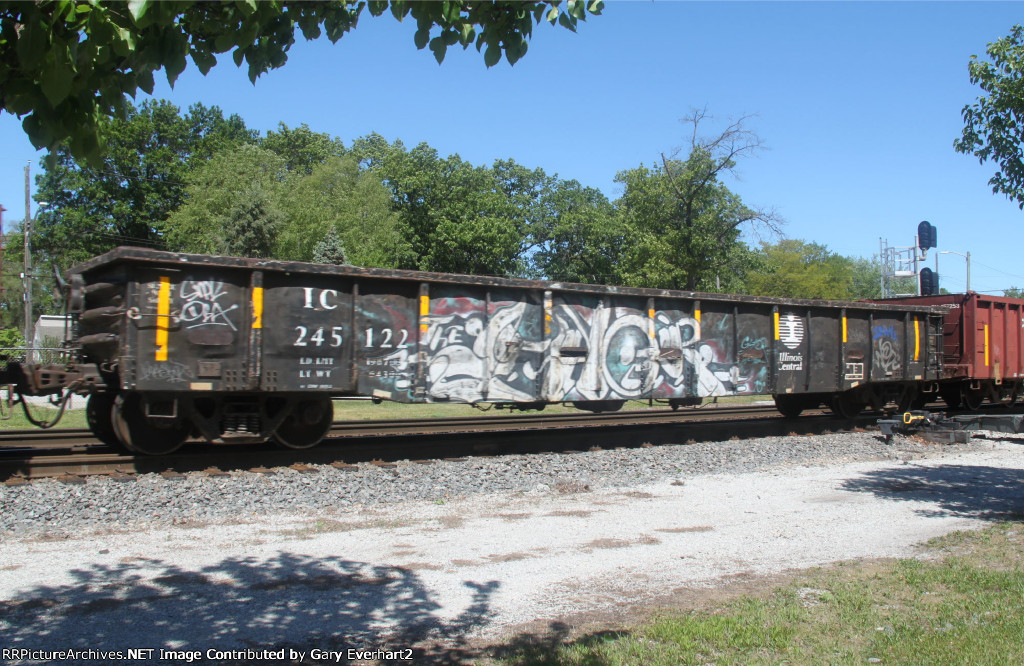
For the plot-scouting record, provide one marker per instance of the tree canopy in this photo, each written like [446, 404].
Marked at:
[994, 124]
[69, 63]
[683, 224]
[124, 199]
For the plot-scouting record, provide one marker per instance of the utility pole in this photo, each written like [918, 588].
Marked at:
[2, 209]
[26, 280]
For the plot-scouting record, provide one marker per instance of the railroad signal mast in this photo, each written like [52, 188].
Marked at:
[905, 262]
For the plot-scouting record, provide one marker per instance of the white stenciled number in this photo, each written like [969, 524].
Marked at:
[388, 335]
[318, 337]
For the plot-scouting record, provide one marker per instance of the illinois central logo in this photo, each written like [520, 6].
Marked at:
[791, 331]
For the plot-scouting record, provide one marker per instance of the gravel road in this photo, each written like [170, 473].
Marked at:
[454, 555]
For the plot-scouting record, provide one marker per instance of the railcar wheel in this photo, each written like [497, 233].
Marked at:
[951, 396]
[972, 399]
[141, 435]
[306, 425]
[922, 399]
[846, 405]
[101, 421]
[788, 405]
[906, 399]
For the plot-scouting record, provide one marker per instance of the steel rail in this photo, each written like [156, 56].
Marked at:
[411, 439]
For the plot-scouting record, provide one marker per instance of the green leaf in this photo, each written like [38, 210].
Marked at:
[493, 54]
[515, 51]
[566, 21]
[238, 56]
[553, 15]
[144, 80]
[204, 60]
[247, 7]
[175, 66]
[57, 76]
[439, 48]
[138, 8]
[32, 45]
[468, 33]
[421, 38]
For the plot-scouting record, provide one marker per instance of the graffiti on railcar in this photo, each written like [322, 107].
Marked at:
[591, 353]
[203, 304]
[885, 350]
[473, 357]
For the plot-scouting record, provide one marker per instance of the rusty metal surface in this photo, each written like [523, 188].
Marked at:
[983, 335]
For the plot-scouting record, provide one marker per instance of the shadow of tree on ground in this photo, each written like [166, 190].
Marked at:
[327, 603]
[968, 491]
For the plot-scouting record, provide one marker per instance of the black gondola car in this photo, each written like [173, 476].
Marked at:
[244, 350]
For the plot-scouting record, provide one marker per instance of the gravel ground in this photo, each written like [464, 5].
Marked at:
[453, 555]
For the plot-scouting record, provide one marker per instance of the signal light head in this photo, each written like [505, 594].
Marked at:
[927, 236]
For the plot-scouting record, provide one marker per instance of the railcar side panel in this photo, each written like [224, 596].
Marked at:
[187, 330]
[823, 368]
[887, 343]
[856, 348]
[304, 330]
[753, 348]
[791, 350]
[514, 352]
[677, 342]
[387, 339]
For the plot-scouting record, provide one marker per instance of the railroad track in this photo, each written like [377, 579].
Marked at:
[72, 454]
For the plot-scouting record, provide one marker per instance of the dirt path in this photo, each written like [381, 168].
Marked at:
[482, 569]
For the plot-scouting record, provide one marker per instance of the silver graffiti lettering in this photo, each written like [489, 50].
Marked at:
[202, 304]
[169, 371]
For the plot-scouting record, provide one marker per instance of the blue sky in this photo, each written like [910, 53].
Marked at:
[857, 103]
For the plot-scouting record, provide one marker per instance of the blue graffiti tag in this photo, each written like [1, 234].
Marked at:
[884, 332]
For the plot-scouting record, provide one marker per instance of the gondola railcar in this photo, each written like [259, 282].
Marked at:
[170, 346]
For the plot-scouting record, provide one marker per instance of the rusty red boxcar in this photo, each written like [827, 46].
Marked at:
[982, 347]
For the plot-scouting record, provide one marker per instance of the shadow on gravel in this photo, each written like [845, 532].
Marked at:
[290, 601]
[970, 491]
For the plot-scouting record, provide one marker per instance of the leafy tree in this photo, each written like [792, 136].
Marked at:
[11, 337]
[250, 225]
[865, 278]
[578, 238]
[301, 147]
[336, 198]
[330, 249]
[125, 199]
[992, 125]
[67, 63]
[682, 223]
[236, 192]
[460, 217]
[796, 269]
[1013, 292]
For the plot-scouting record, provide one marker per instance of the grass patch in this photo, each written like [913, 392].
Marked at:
[364, 410]
[361, 410]
[73, 418]
[963, 606]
